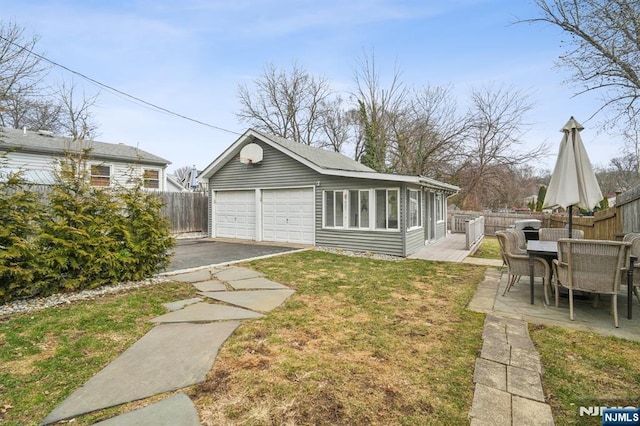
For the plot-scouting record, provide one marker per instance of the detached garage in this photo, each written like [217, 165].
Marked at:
[266, 188]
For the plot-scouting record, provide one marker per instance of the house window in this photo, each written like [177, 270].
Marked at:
[151, 179]
[333, 209]
[439, 208]
[359, 209]
[387, 209]
[100, 175]
[414, 209]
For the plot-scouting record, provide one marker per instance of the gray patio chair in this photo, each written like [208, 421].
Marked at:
[554, 234]
[634, 239]
[518, 262]
[593, 266]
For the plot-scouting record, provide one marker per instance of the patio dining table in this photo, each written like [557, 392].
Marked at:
[549, 251]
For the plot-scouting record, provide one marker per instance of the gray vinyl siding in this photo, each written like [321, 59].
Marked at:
[415, 240]
[441, 230]
[376, 241]
[276, 170]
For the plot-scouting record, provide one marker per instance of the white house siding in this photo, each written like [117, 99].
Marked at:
[120, 171]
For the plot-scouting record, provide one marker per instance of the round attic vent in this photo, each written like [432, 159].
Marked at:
[251, 154]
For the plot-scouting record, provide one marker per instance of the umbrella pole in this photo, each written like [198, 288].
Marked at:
[570, 221]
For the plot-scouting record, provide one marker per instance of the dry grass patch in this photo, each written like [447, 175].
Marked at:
[360, 342]
[586, 369]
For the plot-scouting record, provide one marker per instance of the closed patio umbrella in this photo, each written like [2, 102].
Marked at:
[573, 182]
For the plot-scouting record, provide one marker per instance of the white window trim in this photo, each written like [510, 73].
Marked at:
[369, 209]
[110, 166]
[419, 214]
[324, 209]
[152, 169]
[387, 229]
[439, 201]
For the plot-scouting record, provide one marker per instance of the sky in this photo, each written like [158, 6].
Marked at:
[190, 57]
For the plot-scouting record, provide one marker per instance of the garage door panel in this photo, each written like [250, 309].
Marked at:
[235, 214]
[288, 215]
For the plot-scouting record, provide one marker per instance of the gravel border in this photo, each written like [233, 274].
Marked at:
[39, 303]
[366, 254]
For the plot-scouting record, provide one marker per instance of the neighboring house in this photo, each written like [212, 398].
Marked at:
[38, 154]
[267, 188]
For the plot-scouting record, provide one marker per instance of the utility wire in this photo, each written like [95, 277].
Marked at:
[120, 92]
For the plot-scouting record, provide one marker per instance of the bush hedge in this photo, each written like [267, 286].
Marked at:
[77, 236]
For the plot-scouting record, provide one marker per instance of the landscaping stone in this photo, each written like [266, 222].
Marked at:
[206, 312]
[257, 300]
[174, 306]
[257, 283]
[211, 285]
[177, 410]
[236, 273]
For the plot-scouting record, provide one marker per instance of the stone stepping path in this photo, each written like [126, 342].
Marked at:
[178, 352]
[167, 358]
[172, 411]
[257, 300]
[206, 312]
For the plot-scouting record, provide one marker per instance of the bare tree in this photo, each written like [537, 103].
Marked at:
[603, 46]
[290, 104]
[492, 141]
[76, 118]
[376, 108]
[21, 73]
[183, 172]
[427, 133]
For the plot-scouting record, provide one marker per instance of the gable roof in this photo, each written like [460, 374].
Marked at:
[322, 161]
[46, 143]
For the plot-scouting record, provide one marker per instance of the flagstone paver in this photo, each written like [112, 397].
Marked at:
[207, 312]
[211, 285]
[167, 358]
[257, 300]
[236, 273]
[177, 410]
[258, 283]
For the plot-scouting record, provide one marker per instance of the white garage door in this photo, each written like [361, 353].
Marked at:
[288, 215]
[235, 214]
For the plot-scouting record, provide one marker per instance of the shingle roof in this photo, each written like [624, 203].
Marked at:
[320, 157]
[41, 142]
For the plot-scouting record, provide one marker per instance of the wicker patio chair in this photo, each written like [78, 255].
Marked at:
[634, 239]
[593, 266]
[518, 262]
[554, 234]
[521, 239]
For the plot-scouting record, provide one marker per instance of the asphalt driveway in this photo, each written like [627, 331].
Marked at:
[193, 253]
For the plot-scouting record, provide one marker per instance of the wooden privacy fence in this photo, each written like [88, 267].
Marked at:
[610, 224]
[187, 211]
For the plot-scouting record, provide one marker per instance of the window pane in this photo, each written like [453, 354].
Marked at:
[413, 208]
[100, 175]
[354, 211]
[393, 208]
[151, 179]
[381, 209]
[364, 209]
[338, 208]
[151, 174]
[328, 208]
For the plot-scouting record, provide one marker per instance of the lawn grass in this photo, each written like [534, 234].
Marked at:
[586, 369]
[489, 249]
[48, 354]
[362, 341]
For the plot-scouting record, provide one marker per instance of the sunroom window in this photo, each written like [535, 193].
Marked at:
[414, 209]
[359, 209]
[333, 209]
[387, 209]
